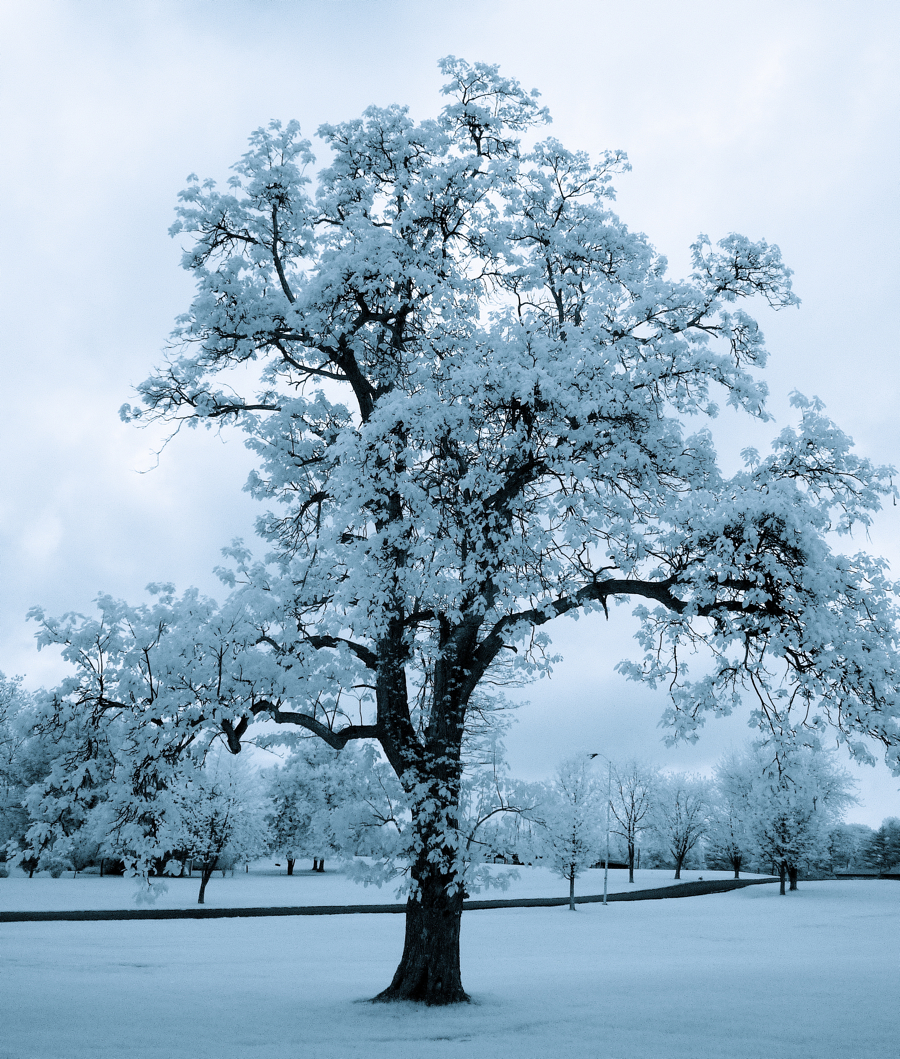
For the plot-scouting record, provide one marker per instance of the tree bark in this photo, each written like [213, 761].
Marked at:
[205, 875]
[781, 875]
[429, 969]
[678, 862]
[572, 891]
[792, 875]
[631, 862]
[290, 865]
[430, 770]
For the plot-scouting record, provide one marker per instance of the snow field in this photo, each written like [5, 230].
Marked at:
[743, 975]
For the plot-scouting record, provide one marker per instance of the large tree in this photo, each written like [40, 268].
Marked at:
[471, 419]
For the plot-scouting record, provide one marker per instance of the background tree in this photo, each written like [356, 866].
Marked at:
[62, 775]
[474, 382]
[633, 787]
[793, 800]
[681, 814]
[846, 843]
[290, 815]
[882, 851]
[14, 778]
[323, 801]
[218, 818]
[571, 836]
[727, 837]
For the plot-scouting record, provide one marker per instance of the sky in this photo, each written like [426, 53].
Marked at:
[778, 120]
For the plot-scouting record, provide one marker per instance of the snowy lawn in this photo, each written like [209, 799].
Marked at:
[737, 975]
[266, 886]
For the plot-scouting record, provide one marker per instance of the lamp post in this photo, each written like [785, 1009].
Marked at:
[609, 800]
[608, 803]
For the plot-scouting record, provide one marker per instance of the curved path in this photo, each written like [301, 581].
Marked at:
[685, 889]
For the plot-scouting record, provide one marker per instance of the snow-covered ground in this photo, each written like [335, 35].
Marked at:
[741, 975]
[266, 886]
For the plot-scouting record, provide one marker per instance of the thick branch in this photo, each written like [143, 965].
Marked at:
[276, 257]
[365, 654]
[337, 740]
[596, 591]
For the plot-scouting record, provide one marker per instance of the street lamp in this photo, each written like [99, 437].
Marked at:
[608, 803]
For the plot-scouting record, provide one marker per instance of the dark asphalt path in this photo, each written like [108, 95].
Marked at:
[686, 889]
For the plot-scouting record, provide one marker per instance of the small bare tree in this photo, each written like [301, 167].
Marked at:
[681, 814]
[633, 786]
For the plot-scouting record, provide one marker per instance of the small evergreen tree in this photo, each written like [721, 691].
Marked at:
[882, 851]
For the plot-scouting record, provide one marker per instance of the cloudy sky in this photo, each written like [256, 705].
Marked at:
[778, 120]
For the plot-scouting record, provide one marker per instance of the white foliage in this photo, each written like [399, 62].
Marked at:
[219, 815]
[572, 817]
[788, 802]
[471, 418]
[328, 802]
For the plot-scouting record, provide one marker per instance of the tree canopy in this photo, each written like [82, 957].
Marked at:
[469, 387]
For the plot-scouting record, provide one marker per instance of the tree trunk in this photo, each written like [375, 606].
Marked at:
[678, 862]
[792, 875]
[781, 874]
[290, 864]
[736, 864]
[205, 875]
[631, 862]
[572, 891]
[429, 969]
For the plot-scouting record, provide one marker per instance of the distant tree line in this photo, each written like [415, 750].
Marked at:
[761, 812]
